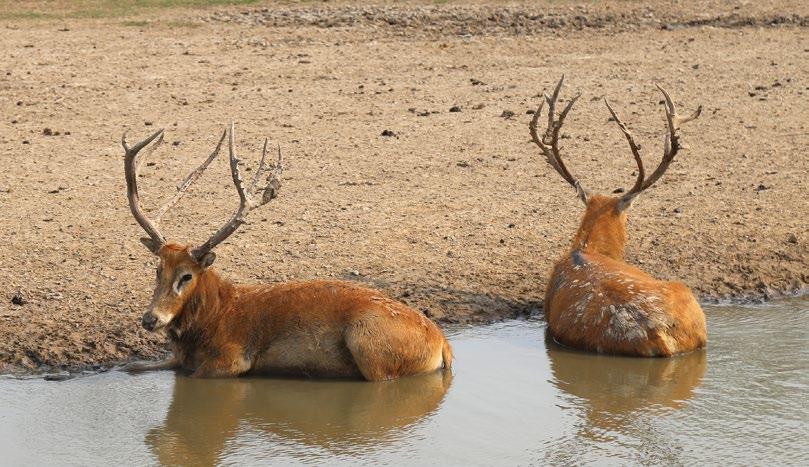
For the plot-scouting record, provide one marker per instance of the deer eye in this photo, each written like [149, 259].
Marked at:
[182, 281]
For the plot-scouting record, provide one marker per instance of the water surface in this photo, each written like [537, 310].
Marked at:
[514, 398]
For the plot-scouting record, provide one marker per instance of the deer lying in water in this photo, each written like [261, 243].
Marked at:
[317, 329]
[594, 300]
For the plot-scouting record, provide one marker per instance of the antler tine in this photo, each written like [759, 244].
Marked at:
[261, 167]
[552, 103]
[246, 201]
[555, 142]
[270, 191]
[671, 142]
[189, 180]
[131, 166]
[539, 141]
[636, 188]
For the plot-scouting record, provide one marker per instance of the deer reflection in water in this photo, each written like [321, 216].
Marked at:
[613, 390]
[340, 416]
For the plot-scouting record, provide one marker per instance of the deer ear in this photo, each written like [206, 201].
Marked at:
[149, 243]
[626, 202]
[207, 259]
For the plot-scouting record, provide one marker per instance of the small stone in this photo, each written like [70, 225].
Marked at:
[61, 376]
[478, 106]
[677, 210]
[462, 164]
[455, 108]
[507, 114]
[388, 133]
[792, 238]
[47, 132]
[18, 299]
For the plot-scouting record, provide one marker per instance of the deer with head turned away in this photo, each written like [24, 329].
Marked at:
[594, 300]
[315, 329]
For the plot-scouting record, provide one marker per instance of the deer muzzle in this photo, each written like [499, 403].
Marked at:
[149, 321]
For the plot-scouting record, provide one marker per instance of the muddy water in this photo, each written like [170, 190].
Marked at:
[515, 398]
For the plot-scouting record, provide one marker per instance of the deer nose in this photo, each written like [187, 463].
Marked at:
[148, 321]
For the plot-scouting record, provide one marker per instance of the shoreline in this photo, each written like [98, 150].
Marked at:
[66, 371]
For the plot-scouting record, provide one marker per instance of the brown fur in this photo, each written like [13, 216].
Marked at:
[316, 329]
[597, 302]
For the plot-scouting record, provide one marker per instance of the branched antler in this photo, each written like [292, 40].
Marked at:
[248, 198]
[549, 141]
[671, 143]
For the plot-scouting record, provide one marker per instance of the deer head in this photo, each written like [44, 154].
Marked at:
[603, 227]
[182, 268]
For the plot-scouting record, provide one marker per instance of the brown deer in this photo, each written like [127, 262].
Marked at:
[594, 300]
[317, 329]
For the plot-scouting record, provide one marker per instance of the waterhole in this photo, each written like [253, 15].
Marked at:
[514, 398]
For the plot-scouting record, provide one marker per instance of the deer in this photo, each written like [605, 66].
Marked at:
[315, 329]
[594, 300]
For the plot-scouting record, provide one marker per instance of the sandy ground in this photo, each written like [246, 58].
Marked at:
[456, 214]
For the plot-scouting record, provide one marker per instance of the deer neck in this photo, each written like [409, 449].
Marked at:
[604, 238]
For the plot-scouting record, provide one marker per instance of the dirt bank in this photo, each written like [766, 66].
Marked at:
[455, 214]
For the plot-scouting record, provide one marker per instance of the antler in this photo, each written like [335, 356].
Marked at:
[671, 144]
[131, 166]
[132, 161]
[247, 197]
[549, 142]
